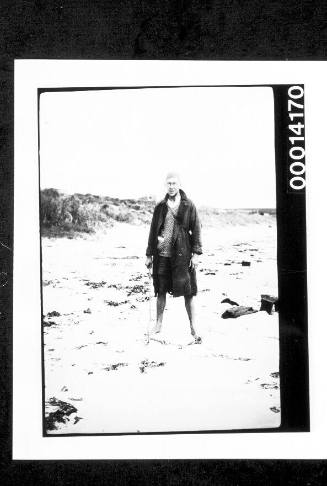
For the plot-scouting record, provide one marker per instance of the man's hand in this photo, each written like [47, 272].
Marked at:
[148, 262]
[194, 262]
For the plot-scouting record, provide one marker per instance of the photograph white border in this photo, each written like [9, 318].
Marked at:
[28, 442]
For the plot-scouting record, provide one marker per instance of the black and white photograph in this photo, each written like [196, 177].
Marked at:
[159, 260]
[163, 304]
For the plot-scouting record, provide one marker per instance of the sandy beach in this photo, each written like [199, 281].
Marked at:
[101, 375]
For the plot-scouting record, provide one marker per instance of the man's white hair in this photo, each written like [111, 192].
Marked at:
[173, 174]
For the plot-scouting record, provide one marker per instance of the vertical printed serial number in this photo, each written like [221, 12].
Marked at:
[296, 152]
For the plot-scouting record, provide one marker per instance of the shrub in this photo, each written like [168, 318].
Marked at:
[62, 214]
[123, 217]
[51, 193]
[50, 207]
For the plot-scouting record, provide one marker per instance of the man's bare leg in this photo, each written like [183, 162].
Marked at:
[161, 304]
[190, 309]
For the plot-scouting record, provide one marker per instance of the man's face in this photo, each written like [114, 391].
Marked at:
[172, 184]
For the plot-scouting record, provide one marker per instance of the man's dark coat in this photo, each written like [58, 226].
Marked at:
[186, 240]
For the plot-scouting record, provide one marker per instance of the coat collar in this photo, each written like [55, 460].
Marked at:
[182, 194]
[181, 210]
[182, 206]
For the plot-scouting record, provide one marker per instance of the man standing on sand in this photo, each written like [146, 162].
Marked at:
[173, 248]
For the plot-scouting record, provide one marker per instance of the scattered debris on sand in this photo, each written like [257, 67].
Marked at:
[275, 409]
[61, 413]
[245, 263]
[95, 285]
[48, 323]
[229, 301]
[53, 314]
[135, 278]
[275, 374]
[225, 356]
[251, 381]
[136, 289]
[50, 282]
[115, 366]
[113, 303]
[209, 271]
[269, 386]
[116, 286]
[127, 257]
[237, 311]
[149, 364]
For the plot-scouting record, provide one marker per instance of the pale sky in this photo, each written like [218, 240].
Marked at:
[121, 143]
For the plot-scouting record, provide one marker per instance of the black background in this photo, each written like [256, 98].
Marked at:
[140, 29]
[292, 282]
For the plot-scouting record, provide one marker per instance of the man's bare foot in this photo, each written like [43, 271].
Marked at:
[197, 339]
